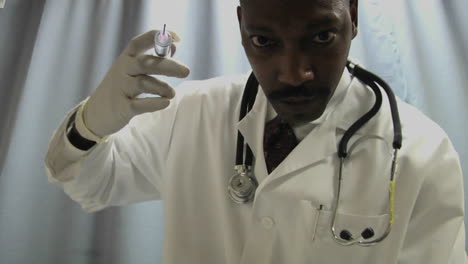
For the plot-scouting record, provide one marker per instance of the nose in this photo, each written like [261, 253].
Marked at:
[294, 68]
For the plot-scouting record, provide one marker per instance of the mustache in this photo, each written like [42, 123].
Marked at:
[299, 91]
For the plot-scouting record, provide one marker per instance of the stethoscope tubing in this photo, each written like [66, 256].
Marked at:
[244, 155]
[373, 81]
[248, 100]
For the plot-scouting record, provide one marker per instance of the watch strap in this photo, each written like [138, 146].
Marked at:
[75, 138]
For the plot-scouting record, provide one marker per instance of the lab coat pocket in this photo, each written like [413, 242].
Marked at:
[351, 223]
[326, 250]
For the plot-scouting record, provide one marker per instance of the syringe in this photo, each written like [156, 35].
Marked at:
[162, 42]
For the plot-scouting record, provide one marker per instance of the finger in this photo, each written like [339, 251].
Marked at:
[140, 43]
[144, 42]
[149, 64]
[145, 105]
[174, 35]
[147, 84]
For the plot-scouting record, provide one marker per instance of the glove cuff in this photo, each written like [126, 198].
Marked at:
[82, 129]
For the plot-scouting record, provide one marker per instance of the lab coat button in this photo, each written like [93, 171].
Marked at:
[267, 222]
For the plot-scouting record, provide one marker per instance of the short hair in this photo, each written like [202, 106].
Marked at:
[241, 2]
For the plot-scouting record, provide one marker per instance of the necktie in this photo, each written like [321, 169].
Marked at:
[278, 141]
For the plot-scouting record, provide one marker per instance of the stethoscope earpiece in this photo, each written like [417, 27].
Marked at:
[365, 234]
[346, 235]
[368, 233]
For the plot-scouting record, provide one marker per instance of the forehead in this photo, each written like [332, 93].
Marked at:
[291, 13]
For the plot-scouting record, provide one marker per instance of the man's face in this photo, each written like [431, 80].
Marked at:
[298, 50]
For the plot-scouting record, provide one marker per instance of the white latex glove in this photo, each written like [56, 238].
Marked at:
[114, 102]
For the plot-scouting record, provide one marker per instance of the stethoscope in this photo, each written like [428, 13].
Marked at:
[243, 184]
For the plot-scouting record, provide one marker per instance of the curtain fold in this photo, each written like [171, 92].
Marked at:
[54, 53]
[15, 58]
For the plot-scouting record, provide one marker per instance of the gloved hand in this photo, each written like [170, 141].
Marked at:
[114, 102]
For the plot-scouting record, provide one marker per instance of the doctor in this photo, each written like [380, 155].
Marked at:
[114, 149]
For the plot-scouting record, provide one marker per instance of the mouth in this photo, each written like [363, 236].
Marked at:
[298, 100]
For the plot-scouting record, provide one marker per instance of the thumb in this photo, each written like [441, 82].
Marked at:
[146, 105]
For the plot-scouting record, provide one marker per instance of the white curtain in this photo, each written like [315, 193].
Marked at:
[54, 53]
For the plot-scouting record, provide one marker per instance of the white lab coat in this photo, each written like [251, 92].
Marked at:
[185, 156]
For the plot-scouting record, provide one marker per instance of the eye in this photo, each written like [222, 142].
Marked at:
[324, 37]
[261, 41]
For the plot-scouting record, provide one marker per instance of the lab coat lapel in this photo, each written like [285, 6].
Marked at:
[323, 140]
[318, 145]
[252, 127]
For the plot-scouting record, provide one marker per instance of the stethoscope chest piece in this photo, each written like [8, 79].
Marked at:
[242, 185]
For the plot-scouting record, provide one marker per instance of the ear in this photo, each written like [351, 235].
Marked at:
[353, 10]
[239, 15]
